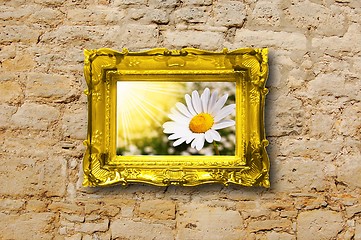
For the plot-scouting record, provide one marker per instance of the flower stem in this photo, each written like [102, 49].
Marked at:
[215, 146]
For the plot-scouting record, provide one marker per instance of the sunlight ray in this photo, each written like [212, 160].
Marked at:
[142, 107]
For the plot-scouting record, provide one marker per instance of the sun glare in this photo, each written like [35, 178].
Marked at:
[143, 106]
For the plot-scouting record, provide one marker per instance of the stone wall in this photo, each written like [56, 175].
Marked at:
[312, 120]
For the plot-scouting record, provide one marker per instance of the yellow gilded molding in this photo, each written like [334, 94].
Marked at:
[246, 67]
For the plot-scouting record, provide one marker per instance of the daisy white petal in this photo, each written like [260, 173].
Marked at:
[175, 136]
[196, 101]
[212, 101]
[193, 144]
[200, 141]
[179, 142]
[190, 138]
[183, 109]
[205, 99]
[208, 136]
[223, 124]
[170, 124]
[187, 134]
[175, 111]
[170, 130]
[220, 103]
[224, 112]
[215, 135]
[189, 104]
[180, 119]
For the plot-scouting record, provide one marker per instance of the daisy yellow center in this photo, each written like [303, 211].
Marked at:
[201, 123]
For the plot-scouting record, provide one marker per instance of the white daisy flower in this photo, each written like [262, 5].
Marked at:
[198, 121]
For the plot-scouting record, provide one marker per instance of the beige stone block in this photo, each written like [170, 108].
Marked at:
[95, 16]
[312, 204]
[127, 211]
[264, 225]
[223, 203]
[135, 37]
[73, 217]
[348, 234]
[309, 148]
[336, 46]
[108, 16]
[198, 221]
[276, 40]
[351, 211]
[7, 52]
[21, 62]
[298, 173]
[35, 116]
[229, 13]
[74, 122]
[288, 214]
[24, 171]
[277, 205]
[158, 16]
[71, 208]
[136, 13]
[322, 125]
[52, 87]
[179, 39]
[91, 207]
[349, 170]
[46, 15]
[99, 226]
[88, 37]
[14, 13]
[157, 209]
[92, 217]
[279, 236]
[77, 236]
[55, 177]
[98, 235]
[258, 211]
[22, 33]
[11, 204]
[28, 145]
[242, 195]
[129, 2]
[160, 3]
[79, 15]
[327, 84]
[357, 235]
[192, 14]
[5, 116]
[350, 123]
[50, 2]
[129, 229]
[198, 2]
[284, 116]
[316, 18]
[34, 205]
[319, 225]
[10, 92]
[266, 13]
[26, 226]
[109, 210]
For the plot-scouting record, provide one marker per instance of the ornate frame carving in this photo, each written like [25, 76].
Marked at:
[247, 67]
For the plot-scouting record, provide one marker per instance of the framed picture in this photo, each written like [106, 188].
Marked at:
[176, 117]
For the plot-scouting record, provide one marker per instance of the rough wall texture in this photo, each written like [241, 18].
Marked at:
[312, 119]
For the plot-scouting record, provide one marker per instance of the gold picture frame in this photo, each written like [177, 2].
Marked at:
[247, 68]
